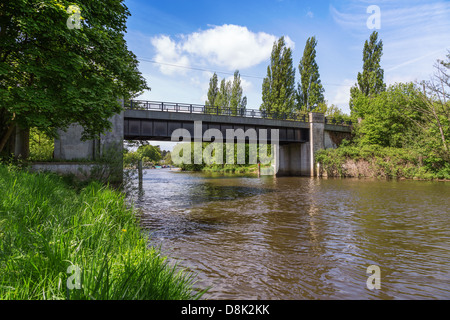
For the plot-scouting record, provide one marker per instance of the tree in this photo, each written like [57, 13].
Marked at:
[153, 153]
[371, 80]
[237, 101]
[224, 95]
[310, 89]
[435, 105]
[213, 91]
[390, 120]
[278, 89]
[52, 75]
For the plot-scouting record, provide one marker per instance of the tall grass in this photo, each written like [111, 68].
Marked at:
[46, 227]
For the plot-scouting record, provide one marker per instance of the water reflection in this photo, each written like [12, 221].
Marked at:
[301, 238]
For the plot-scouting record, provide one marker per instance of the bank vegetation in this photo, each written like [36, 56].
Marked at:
[60, 243]
[401, 132]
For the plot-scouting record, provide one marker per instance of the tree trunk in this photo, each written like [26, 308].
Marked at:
[7, 135]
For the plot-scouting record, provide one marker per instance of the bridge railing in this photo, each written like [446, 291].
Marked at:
[214, 110]
[337, 121]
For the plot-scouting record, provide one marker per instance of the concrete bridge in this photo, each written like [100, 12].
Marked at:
[300, 137]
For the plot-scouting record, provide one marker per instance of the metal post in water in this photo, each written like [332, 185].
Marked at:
[140, 171]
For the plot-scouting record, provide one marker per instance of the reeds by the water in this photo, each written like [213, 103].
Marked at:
[56, 243]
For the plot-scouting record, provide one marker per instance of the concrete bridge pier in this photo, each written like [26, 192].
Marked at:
[298, 159]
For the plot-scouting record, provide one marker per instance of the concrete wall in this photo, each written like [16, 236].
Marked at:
[70, 147]
[81, 171]
[108, 146]
[333, 139]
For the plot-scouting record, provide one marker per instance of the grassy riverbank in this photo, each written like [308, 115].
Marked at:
[380, 162]
[237, 169]
[52, 235]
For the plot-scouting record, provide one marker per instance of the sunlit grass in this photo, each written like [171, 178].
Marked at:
[46, 227]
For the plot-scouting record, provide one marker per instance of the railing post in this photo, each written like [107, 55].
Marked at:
[190, 108]
[162, 106]
[217, 110]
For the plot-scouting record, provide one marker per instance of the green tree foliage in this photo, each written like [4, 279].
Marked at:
[407, 120]
[52, 76]
[41, 146]
[229, 97]
[310, 89]
[213, 92]
[278, 88]
[147, 153]
[236, 94]
[389, 119]
[223, 97]
[371, 80]
[333, 112]
[152, 153]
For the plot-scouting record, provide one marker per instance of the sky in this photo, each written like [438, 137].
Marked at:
[181, 43]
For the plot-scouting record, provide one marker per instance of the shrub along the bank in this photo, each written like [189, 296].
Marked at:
[377, 161]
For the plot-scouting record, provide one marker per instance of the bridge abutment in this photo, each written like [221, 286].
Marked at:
[106, 151]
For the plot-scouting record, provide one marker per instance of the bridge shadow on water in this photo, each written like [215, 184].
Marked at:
[176, 205]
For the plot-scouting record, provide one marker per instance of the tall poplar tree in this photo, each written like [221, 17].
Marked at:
[310, 89]
[213, 92]
[223, 97]
[236, 93]
[371, 80]
[278, 89]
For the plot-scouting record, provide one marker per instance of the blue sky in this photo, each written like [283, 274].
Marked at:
[180, 43]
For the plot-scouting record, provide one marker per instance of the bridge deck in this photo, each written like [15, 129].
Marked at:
[149, 120]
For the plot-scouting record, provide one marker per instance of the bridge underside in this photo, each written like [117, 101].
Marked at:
[162, 130]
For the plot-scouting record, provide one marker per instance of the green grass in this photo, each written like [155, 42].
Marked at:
[238, 169]
[46, 227]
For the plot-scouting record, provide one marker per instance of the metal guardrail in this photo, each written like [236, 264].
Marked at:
[338, 122]
[220, 111]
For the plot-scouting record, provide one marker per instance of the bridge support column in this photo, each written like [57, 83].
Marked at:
[294, 160]
[298, 159]
[316, 138]
[22, 143]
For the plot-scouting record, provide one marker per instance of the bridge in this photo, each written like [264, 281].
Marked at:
[151, 120]
[300, 136]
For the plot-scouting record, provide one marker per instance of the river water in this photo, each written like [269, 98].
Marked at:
[301, 238]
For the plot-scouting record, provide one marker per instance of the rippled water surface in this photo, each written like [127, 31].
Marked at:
[301, 238]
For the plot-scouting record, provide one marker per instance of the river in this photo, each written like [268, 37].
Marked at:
[300, 238]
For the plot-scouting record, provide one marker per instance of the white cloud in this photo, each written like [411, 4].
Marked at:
[169, 53]
[228, 46]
